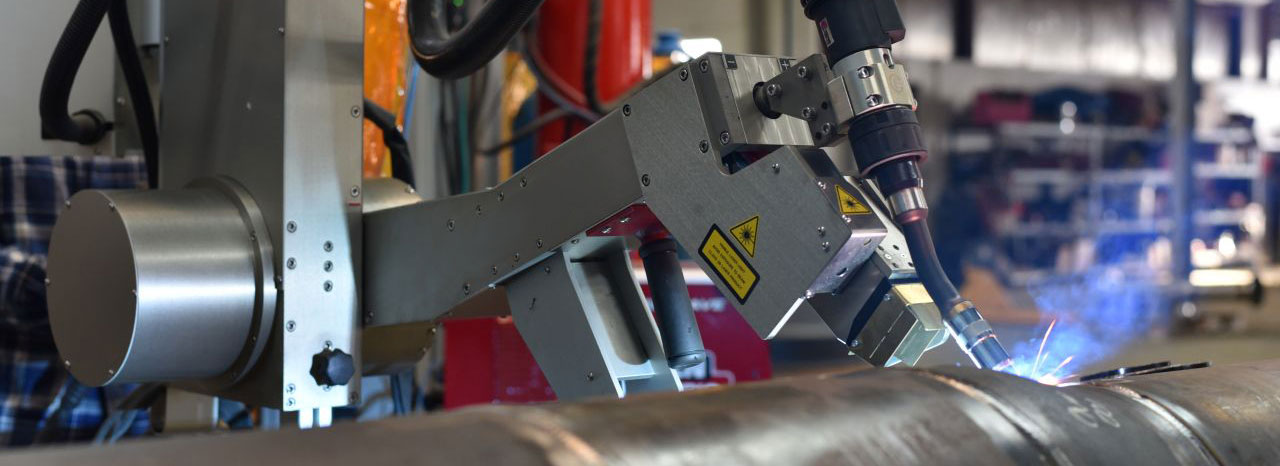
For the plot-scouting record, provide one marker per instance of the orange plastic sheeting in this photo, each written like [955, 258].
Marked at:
[385, 61]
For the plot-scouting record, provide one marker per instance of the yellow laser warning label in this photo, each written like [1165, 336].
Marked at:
[745, 233]
[728, 264]
[850, 205]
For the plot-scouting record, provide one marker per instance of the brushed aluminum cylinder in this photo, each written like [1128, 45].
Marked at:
[159, 285]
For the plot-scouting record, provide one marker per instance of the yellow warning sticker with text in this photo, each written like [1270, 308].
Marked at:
[850, 205]
[728, 264]
[745, 233]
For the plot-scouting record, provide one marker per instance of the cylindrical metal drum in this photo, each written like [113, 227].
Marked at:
[161, 285]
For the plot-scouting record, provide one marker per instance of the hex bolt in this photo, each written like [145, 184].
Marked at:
[865, 72]
[802, 72]
[626, 110]
[684, 74]
[355, 111]
[704, 65]
[328, 286]
[291, 263]
[808, 113]
[291, 227]
[704, 146]
[328, 246]
[724, 137]
[772, 90]
[290, 325]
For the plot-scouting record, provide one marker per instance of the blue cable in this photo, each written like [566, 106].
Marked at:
[408, 103]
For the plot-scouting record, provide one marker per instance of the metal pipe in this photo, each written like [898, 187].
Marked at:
[1216, 415]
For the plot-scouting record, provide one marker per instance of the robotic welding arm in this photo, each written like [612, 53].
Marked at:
[766, 215]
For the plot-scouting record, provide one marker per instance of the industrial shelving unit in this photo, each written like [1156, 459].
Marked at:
[1102, 201]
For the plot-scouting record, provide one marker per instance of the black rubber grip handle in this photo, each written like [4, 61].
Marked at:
[680, 336]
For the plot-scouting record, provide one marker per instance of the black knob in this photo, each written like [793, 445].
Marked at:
[332, 367]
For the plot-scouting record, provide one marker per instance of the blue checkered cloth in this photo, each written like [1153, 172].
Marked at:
[33, 385]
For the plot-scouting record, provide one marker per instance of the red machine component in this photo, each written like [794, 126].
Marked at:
[486, 361]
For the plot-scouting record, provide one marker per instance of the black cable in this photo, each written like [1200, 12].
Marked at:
[401, 161]
[85, 126]
[595, 13]
[528, 129]
[139, 92]
[934, 279]
[460, 54]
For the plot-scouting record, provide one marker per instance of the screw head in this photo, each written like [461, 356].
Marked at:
[449, 224]
[280, 31]
[724, 137]
[873, 100]
[606, 230]
[67, 203]
[291, 263]
[493, 270]
[328, 266]
[772, 90]
[826, 245]
[466, 288]
[827, 128]
[539, 243]
[111, 205]
[684, 74]
[546, 269]
[289, 402]
[776, 168]
[291, 227]
[501, 196]
[644, 179]
[66, 363]
[523, 182]
[865, 72]
[290, 326]
[808, 113]
[355, 111]
[328, 246]
[328, 286]
[515, 257]
[703, 65]
[355, 191]
[591, 376]
[822, 231]
[802, 72]
[290, 388]
[704, 146]
[626, 110]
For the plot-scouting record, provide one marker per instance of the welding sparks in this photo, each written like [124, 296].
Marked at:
[1031, 368]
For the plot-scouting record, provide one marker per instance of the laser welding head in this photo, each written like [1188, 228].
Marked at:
[888, 147]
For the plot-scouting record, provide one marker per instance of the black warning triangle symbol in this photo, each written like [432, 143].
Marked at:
[745, 233]
[850, 205]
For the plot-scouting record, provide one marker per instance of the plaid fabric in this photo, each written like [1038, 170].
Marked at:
[33, 385]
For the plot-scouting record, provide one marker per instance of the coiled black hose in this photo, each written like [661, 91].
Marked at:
[86, 126]
[458, 55]
[591, 58]
[401, 163]
[89, 126]
[139, 91]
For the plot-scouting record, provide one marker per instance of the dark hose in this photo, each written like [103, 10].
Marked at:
[595, 16]
[934, 279]
[139, 92]
[676, 322]
[456, 56]
[401, 163]
[971, 331]
[86, 126]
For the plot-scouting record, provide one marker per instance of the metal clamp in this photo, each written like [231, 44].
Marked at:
[874, 81]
